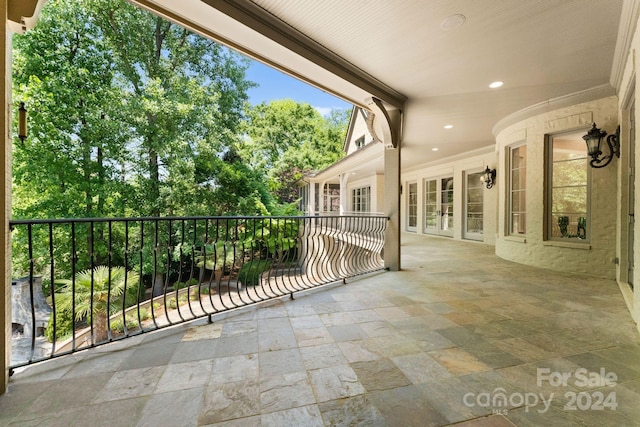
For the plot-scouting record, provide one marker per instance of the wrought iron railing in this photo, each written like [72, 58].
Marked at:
[92, 281]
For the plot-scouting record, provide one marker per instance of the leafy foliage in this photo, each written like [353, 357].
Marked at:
[133, 116]
[286, 139]
[250, 272]
[93, 296]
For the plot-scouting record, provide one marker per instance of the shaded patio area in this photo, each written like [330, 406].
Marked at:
[458, 336]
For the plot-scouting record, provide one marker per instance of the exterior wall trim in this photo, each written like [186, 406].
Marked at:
[598, 92]
[626, 31]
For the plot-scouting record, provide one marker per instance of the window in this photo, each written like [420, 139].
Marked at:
[360, 142]
[332, 197]
[517, 204]
[303, 194]
[361, 199]
[568, 189]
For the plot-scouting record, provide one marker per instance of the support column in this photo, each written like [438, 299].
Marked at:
[312, 209]
[387, 126]
[5, 189]
[344, 179]
[392, 207]
[322, 207]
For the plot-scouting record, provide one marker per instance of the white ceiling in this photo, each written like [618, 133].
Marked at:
[540, 49]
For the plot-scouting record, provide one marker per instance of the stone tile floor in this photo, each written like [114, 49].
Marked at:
[458, 337]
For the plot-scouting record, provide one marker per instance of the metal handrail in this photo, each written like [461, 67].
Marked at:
[105, 279]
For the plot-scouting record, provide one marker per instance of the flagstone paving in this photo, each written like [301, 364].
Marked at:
[458, 337]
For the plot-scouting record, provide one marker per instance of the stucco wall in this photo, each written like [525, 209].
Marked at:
[598, 256]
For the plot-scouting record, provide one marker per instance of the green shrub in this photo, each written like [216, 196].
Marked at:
[191, 282]
[132, 323]
[145, 314]
[250, 272]
[63, 327]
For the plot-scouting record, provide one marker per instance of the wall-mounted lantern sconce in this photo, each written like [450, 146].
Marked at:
[594, 140]
[22, 122]
[488, 177]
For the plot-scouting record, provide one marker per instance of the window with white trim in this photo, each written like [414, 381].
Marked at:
[332, 197]
[361, 199]
[567, 187]
[517, 197]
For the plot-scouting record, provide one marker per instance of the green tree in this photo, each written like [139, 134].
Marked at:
[286, 139]
[70, 166]
[130, 115]
[185, 97]
[96, 294]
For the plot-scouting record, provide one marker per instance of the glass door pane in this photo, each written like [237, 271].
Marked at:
[412, 219]
[446, 206]
[431, 206]
[474, 207]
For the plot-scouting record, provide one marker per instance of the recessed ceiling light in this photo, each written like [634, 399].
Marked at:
[495, 85]
[452, 22]
[448, 126]
[434, 149]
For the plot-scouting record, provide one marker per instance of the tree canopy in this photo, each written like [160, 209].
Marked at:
[286, 139]
[134, 116]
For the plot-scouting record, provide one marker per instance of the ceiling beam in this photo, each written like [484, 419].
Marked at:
[23, 14]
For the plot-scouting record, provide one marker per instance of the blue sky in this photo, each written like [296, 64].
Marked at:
[276, 85]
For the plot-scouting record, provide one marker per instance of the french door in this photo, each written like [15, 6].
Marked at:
[474, 207]
[438, 206]
[412, 207]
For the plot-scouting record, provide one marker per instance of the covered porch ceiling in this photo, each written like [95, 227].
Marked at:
[432, 59]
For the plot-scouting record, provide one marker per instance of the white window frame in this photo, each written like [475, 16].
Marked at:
[331, 197]
[361, 199]
[409, 227]
[470, 235]
[510, 190]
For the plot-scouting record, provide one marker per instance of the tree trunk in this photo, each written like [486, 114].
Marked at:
[100, 328]
[154, 173]
[158, 285]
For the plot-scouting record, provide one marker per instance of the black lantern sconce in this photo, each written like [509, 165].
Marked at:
[594, 141]
[488, 177]
[22, 122]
